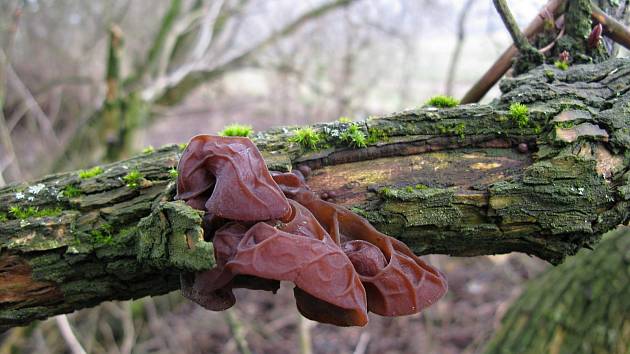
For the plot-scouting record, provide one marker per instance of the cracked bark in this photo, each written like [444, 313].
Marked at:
[463, 181]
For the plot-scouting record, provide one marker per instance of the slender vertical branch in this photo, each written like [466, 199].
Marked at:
[461, 36]
[518, 37]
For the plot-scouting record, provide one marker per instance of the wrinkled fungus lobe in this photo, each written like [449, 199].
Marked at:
[342, 267]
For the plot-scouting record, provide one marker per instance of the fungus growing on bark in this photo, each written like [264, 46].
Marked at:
[342, 267]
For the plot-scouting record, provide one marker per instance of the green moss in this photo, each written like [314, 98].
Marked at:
[375, 135]
[549, 74]
[237, 130]
[344, 120]
[354, 136]
[24, 213]
[92, 172]
[561, 64]
[148, 150]
[133, 179]
[519, 114]
[454, 129]
[71, 191]
[420, 186]
[307, 138]
[182, 146]
[102, 235]
[565, 125]
[442, 101]
[4, 217]
[172, 173]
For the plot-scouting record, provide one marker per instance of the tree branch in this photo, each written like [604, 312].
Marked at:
[171, 91]
[468, 180]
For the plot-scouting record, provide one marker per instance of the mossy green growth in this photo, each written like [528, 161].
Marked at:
[237, 130]
[133, 179]
[442, 101]
[172, 173]
[71, 191]
[344, 120]
[182, 146]
[549, 74]
[456, 129]
[92, 172]
[565, 125]
[561, 64]
[354, 136]
[4, 217]
[148, 150]
[306, 137]
[102, 235]
[519, 114]
[24, 213]
[375, 135]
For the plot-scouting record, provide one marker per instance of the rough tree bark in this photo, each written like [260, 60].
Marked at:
[578, 307]
[467, 180]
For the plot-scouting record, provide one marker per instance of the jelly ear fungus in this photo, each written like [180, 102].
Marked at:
[342, 267]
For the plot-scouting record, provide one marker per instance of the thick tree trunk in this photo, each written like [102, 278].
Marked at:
[579, 307]
[468, 180]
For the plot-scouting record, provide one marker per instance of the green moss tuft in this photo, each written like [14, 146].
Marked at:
[344, 120]
[71, 191]
[519, 114]
[182, 146]
[148, 150]
[455, 129]
[4, 217]
[375, 135]
[237, 130]
[102, 235]
[442, 101]
[172, 173]
[354, 136]
[24, 213]
[561, 64]
[307, 138]
[92, 172]
[133, 179]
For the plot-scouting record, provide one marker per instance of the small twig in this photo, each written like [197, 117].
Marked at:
[305, 325]
[68, 335]
[236, 327]
[518, 37]
[503, 63]
[612, 28]
[461, 36]
[362, 344]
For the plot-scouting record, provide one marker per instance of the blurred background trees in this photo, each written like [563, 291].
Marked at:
[83, 82]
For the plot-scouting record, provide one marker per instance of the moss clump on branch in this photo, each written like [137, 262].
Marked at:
[92, 172]
[561, 64]
[519, 114]
[133, 179]
[148, 150]
[354, 136]
[22, 213]
[375, 135]
[172, 174]
[306, 137]
[237, 130]
[344, 120]
[71, 191]
[442, 101]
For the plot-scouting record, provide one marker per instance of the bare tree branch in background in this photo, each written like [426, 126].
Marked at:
[202, 60]
[461, 36]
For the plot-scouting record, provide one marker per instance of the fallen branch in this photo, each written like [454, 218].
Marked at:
[468, 180]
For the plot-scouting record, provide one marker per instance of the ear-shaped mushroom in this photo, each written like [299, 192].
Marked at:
[403, 285]
[305, 255]
[234, 173]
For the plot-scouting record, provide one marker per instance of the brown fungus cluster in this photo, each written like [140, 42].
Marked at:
[342, 267]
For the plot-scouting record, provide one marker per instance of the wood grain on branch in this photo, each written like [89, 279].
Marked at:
[468, 180]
